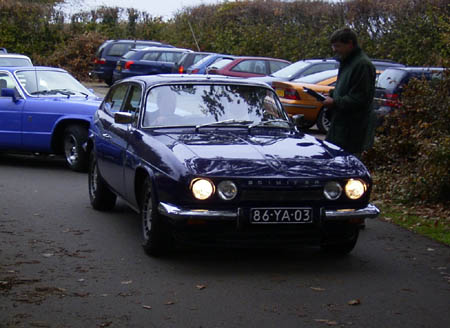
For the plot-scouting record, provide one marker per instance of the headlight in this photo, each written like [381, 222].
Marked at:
[202, 188]
[227, 190]
[355, 189]
[332, 190]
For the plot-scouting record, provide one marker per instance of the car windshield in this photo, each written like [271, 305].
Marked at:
[317, 77]
[14, 61]
[390, 78]
[51, 83]
[202, 105]
[290, 70]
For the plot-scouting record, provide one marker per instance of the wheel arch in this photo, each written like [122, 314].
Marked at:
[141, 175]
[57, 142]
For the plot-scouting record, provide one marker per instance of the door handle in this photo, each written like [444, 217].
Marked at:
[106, 136]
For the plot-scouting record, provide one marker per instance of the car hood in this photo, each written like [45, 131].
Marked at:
[232, 154]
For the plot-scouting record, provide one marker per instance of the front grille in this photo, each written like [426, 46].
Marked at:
[282, 195]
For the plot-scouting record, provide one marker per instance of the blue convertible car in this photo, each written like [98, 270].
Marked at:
[45, 110]
[216, 160]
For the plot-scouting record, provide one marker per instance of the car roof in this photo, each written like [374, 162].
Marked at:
[191, 78]
[256, 57]
[418, 68]
[31, 68]
[162, 49]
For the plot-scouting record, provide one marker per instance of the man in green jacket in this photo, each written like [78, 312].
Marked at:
[352, 116]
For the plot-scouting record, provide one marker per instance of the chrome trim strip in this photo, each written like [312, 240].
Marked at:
[369, 212]
[298, 106]
[178, 213]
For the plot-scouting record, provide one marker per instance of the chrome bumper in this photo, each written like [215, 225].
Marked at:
[177, 213]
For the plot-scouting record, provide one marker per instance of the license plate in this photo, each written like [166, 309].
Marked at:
[281, 215]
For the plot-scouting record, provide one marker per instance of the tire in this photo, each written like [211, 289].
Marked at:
[323, 122]
[157, 238]
[101, 197]
[74, 138]
[305, 125]
[341, 248]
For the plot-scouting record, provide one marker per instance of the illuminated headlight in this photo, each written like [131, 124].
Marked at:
[227, 190]
[202, 189]
[332, 190]
[355, 189]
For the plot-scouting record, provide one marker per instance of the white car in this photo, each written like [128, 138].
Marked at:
[7, 59]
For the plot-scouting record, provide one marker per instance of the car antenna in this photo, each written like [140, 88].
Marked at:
[193, 35]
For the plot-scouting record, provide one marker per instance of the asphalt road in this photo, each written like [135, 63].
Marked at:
[63, 264]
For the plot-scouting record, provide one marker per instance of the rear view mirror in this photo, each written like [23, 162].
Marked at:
[123, 118]
[8, 92]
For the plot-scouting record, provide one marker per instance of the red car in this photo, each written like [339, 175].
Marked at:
[248, 66]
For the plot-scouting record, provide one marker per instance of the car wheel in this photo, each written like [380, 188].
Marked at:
[76, 157]
[341, 248]
[323, 121]
[101, 197]
[157, 236]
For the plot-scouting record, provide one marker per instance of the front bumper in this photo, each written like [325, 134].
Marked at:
[178, 214]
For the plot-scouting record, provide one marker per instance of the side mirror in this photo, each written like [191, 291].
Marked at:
[8, 92]
[123, 118]
[298, 119]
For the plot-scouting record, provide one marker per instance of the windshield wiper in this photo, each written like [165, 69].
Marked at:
[224, 122]
[265, 123]
[65, 92]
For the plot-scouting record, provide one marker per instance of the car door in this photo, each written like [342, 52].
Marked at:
[111, 141]
[10, 115]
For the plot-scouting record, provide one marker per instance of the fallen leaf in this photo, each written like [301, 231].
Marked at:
[169, 303]
[430, 249]
[200, 287]
[126, 282]
[317, 289]
[48, 254]
[148, 307]
[354, 302]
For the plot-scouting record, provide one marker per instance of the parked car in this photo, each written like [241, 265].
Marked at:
[212, 160]
[249, 66]
[311, 66]
[187, 60]
[212, 60]
[45, 110]
[147, 61]
[296, 100]
[392, 82]
[9, 59]
[110, 52]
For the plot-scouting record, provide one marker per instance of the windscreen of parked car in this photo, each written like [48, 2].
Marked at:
[317, 77]
[15, 61]
[51, 83]
[203, 104]
[390, 78]
[291, 70]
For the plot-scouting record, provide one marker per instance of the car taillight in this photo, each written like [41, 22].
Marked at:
[291, 94]
[128, 64]
[99, 61]
[392, 100]
[195, 71]
[180, 69]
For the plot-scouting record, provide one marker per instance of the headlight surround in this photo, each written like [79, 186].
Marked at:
[227, 190]
[355, 188]
[332, 190]
[202, 188]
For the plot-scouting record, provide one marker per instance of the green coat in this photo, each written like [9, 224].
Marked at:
[353, 119]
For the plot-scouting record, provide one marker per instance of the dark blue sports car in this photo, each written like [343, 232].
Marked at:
[216, 160]
[45, 110]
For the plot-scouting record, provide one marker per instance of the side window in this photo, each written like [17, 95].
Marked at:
[276, 66]
[151, 55]
[251, 66]
[113, 102]
[133, 99]
[6, 81]
[118, 49]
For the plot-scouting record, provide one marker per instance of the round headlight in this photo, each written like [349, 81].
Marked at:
[355, 189]
[332, 190]
[227, 190]
[202, 189]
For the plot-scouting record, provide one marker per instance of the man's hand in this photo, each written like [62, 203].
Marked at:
[328, 102]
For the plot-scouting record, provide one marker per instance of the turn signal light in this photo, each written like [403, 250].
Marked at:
[291, 94]
[128, 64]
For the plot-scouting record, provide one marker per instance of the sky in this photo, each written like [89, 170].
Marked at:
[164, 8]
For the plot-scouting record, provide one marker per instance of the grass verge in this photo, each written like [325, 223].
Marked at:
[429, 222]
